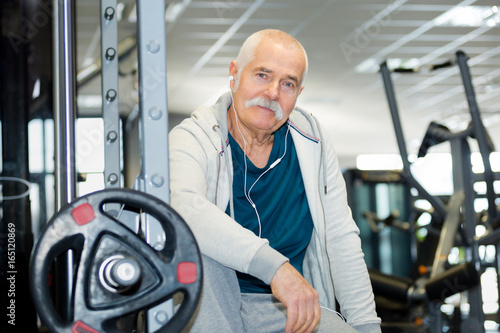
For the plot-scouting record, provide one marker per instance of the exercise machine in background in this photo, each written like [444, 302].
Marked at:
[411, 300]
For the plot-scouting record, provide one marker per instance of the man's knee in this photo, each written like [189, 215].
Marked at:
[218, 309]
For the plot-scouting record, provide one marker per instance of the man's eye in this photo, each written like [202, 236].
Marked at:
[289, 85]
[262, 75]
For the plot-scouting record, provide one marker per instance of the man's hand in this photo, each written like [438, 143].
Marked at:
[299, 298]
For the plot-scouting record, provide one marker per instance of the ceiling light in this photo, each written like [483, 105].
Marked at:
[469, 16]
[410, 64]
[370, 65]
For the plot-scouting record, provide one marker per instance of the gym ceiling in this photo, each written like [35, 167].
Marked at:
[346, 41]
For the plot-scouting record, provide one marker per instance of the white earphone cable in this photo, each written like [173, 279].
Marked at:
[247, 194]
[336, 312]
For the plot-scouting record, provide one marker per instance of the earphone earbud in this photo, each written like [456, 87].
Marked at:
[231, 78]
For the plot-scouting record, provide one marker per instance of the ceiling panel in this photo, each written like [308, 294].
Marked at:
[346, 41]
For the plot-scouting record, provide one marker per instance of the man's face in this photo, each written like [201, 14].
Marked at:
[274, 75]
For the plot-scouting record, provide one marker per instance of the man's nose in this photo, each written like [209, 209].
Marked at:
[273, 90]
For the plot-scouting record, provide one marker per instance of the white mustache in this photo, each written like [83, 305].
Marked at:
[265, 103]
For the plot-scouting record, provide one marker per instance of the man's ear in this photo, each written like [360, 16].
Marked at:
[233, 71]
[300, 91]
[233, 68]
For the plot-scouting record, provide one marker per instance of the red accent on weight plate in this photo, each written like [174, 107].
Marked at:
[83, 214]
[186, 272]
[81, 327]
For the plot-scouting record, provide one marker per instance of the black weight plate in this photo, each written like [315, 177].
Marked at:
[84, 227]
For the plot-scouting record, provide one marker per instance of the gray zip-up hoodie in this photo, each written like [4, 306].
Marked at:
[201, 189]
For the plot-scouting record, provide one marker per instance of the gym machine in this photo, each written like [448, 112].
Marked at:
[394, 246]
[388, 246]
[455, 218]
[115, 260]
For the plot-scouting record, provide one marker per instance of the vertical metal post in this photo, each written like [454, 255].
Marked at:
[393, 106]
[439, 207]
[463, 183]
[110, 110]
[153, 97]
[151, 53]
[65, 102]
[109, 80]
[479, 133]
[489, 176]
[64, 126]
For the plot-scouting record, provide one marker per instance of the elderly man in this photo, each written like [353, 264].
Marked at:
[258, 182]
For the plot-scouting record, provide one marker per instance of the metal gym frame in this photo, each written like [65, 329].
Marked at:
[459, 216]
[154, 174]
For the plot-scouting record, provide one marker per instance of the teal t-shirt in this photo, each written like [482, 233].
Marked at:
[280, 200]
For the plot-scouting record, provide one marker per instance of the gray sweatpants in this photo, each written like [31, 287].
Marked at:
[222, 308]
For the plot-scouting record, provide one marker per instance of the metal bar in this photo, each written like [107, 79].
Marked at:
[478, 177]
[64, 127]
[435, 318]
[463, 182]
[448, 233]
[151, 53]
[109, 86]
[491, 238]
[475, 298]
[393, 106]
[65, 103]
[479, 132]
[488, 174]
[43, 182]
